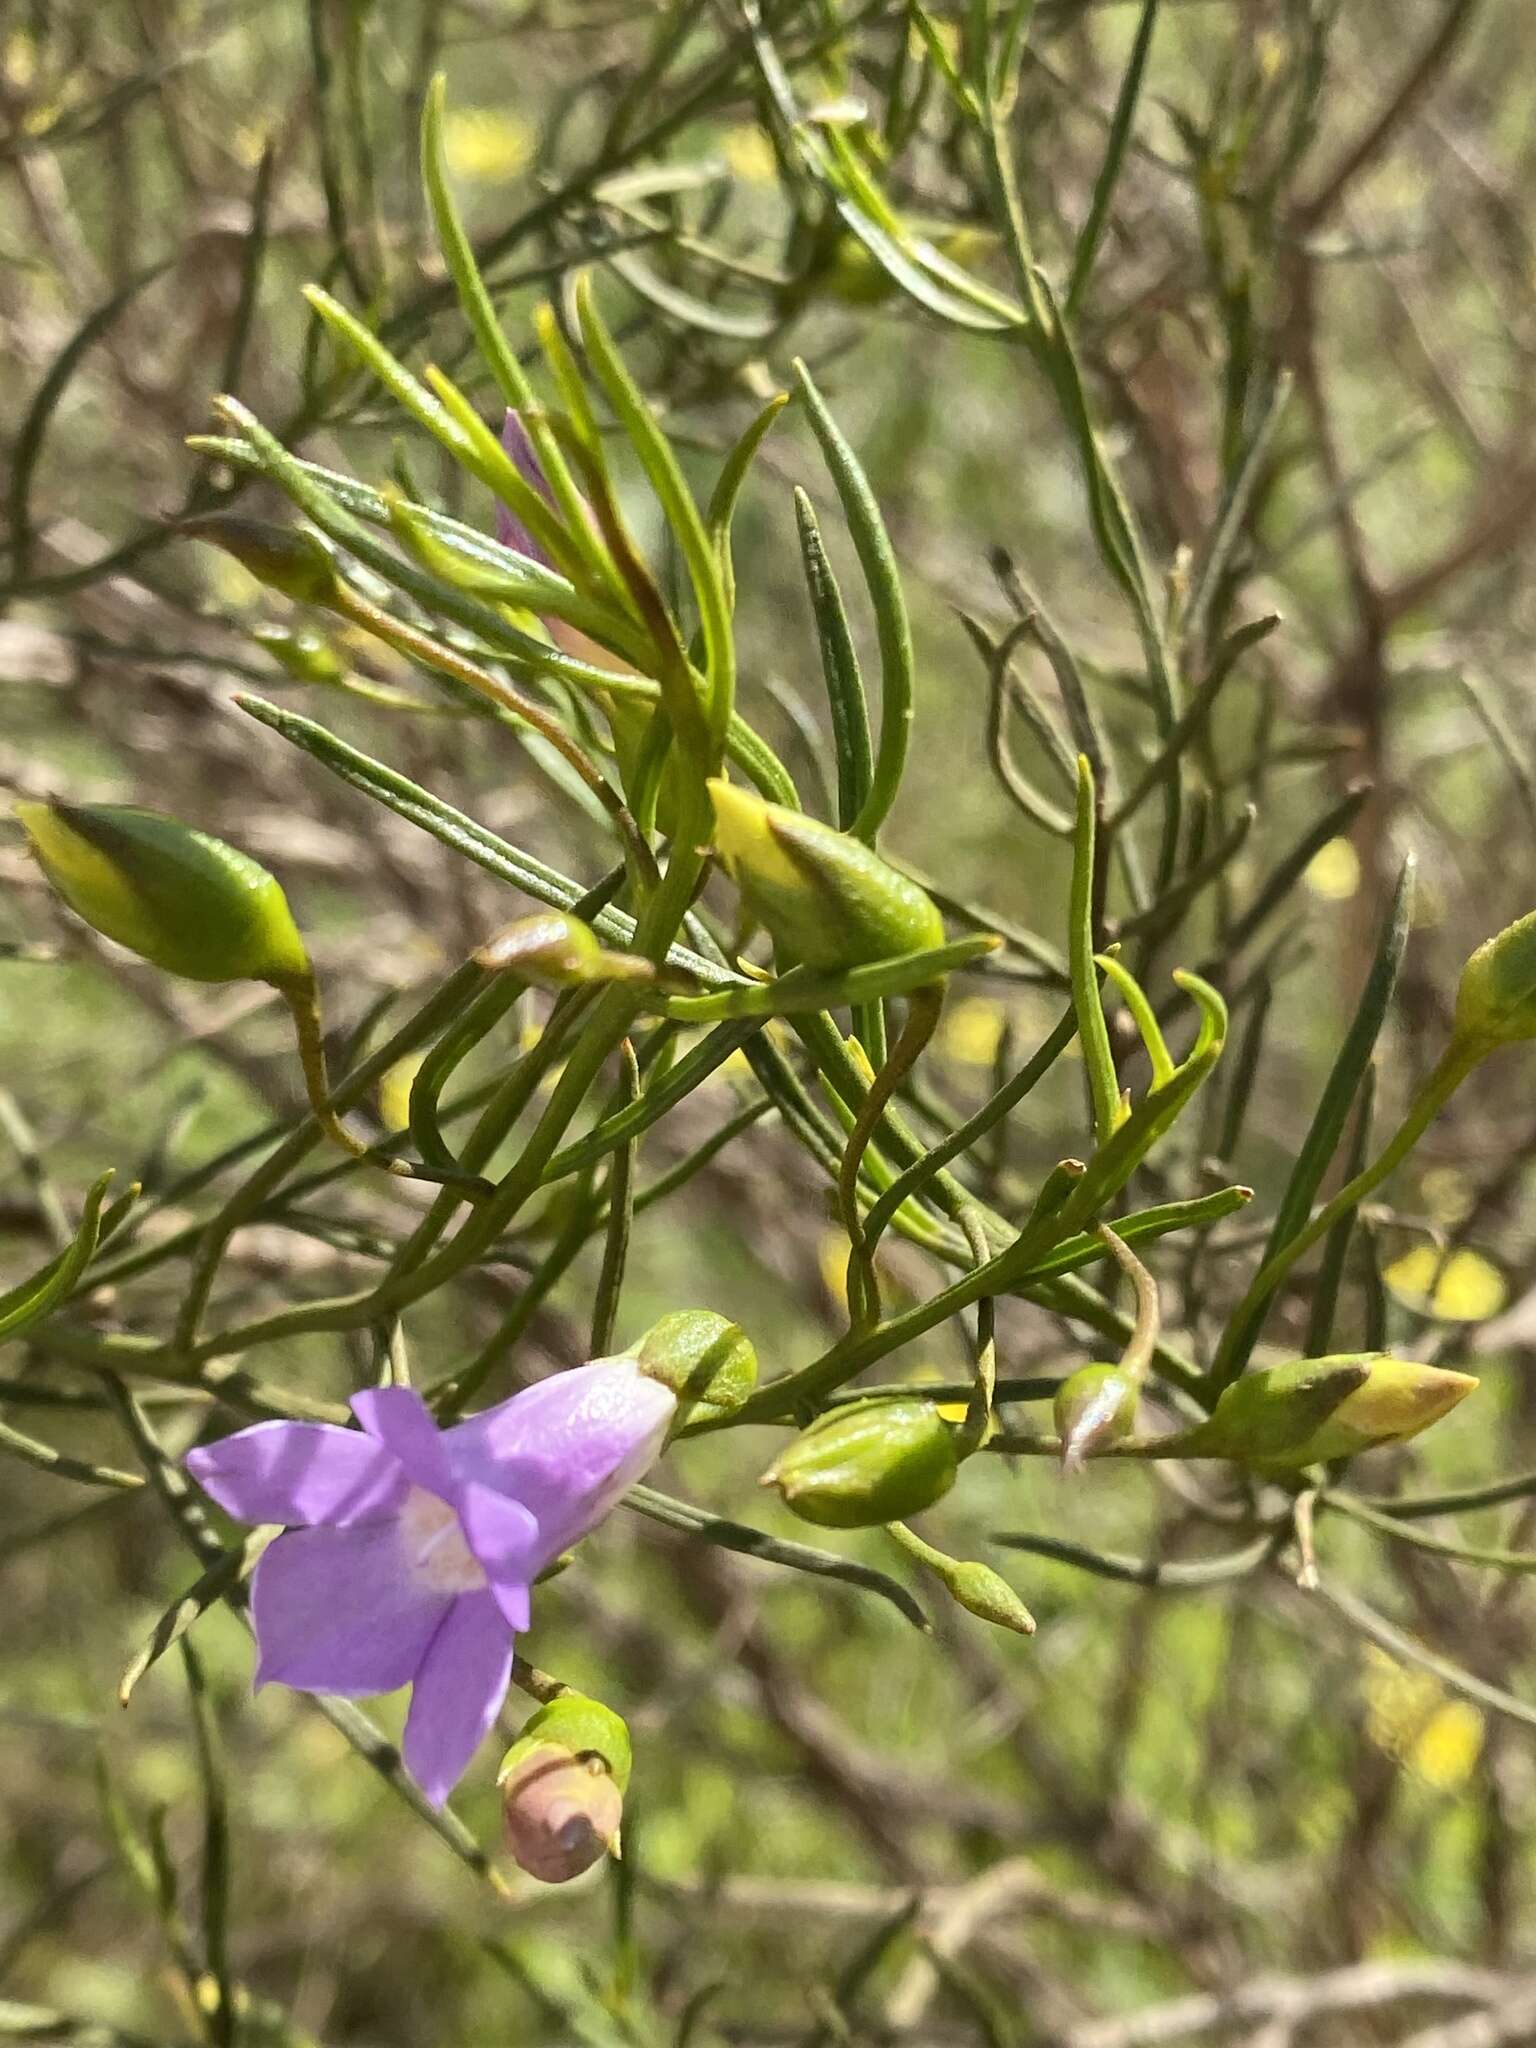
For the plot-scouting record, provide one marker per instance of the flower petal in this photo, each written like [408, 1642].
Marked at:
[338, 1610]
[460, 1686]
[510, 530]
[300, 1473]
[568, 1447]
[504, 1539]
[399, 1419]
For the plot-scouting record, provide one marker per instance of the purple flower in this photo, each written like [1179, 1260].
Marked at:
[409, 1552]
[510, 530]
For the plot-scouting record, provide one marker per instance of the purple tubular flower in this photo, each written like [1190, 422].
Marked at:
[510, 530]
[408, 1552]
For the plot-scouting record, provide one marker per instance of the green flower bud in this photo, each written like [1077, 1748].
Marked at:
[1496, 1001]
[826, 899]
[707, 1361]
[1313, 1408]
[974, 1586]
[562, 1788]
[181, 899]
[1095, 1406]
[988, 1595]
[878, 1461]
[306, 656]
[555, 950]
[285, 558]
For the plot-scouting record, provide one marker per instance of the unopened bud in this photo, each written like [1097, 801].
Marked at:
[562, 1788]
[305, 656]
[988, 1595]
[707, 1361]
[177, 897]
[1496, 1000]
[878, 1461]
[974, 1586]
[1095, 1406]
[284, 558]
[555, 950]
[824, 897]
[1289, 1415]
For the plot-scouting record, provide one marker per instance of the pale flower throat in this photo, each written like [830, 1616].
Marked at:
[435, 1550]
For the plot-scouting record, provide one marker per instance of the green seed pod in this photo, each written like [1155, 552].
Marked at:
[707, 1361]
[562, 1788]
[284, 558]
[1290, 1415]
[306, 656]
[1496, 1000]
[1095, 1406]
[879, 1461]
[825, 898]
[552, 949]
[183, 900]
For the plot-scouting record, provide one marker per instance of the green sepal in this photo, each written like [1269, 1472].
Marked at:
[707, 1360]
[584, 1728]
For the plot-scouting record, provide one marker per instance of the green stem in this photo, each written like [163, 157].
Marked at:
[922, 1021]
[1453, 1067]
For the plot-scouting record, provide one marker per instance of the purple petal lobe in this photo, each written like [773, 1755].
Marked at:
[504, 1540]
[567, 1448]
[461, 1683]
[300, 1473]
[510, 530]
[339, 1610]
[401, 1421]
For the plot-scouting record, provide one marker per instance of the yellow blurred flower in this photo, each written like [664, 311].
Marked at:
[749, 154]
[1465, 1288]
[973, 1030]
[487, 146]
[832, 1260]
[1410, 1718]
[395, 1091]
[20, 61]
[1334, 871]
[1446, 1193]
[1447, 1750]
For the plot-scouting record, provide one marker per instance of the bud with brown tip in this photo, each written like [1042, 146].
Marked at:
[562, 1788]
[1095, 1407]
[552, 949]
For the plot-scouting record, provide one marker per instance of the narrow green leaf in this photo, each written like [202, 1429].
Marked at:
[840, 667]
[728, 486]
[1113, 158]
[883, 580]
[682, 514]
[27, 1304]
[1328, 1120]
[1093, 1032]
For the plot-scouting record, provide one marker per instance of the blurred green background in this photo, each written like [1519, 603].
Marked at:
[1214, 1814]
